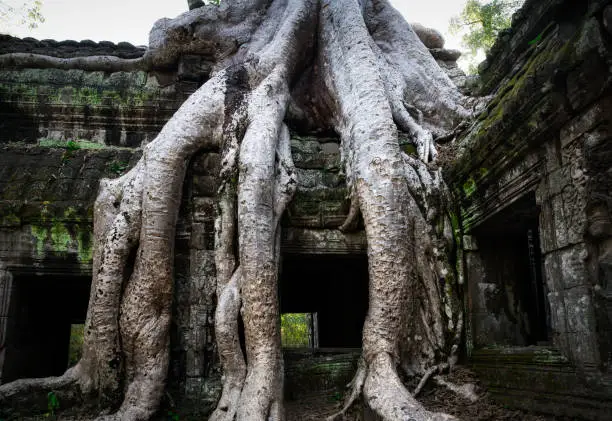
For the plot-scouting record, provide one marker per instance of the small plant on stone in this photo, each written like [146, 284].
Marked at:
[71, 145]
[52, 405]
[118, 167]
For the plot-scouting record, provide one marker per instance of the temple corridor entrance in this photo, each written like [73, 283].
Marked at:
[333, 289]
[44, 313]
[513, 288]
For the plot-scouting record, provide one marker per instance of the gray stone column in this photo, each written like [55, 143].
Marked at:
[6, 285]
[574, 234]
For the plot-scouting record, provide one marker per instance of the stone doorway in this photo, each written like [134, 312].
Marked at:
[43, 311]
[512, 295]
[333, 289]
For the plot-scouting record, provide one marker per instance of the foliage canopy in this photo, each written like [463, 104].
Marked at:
[15, 13]
[480, 22]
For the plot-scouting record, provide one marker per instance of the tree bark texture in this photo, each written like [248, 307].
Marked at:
[352, 66]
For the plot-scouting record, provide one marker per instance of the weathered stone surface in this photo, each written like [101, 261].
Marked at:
[550, 102]
[68, 48]
[312, 153]
[573, 266]
[583, 348]
[194, 68]
[586, 121]
[307, 372]
[123, 108]
[203, 235]
[587, 82]
[558, 315]
[207, 163]
[428, 36]
[46, 199]
[521, 377]
[205, 185]
[578, 304]
[322, 241]
[309, 178]
[330, 148]
[445, 54]
[203, 209]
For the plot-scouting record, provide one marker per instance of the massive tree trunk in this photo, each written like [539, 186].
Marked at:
[352, 66]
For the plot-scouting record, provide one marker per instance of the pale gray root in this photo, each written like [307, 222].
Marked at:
[145, 308]
[355, 387]
[225, 231]
[116, 230]
[257, 234]
[228, 348]
[117, 225]
[368, 110]
[436, 319]
[422, 84]
[386, 395]
[372, 75]
[229, 280]
[266, 184]
[466, 391]
[127, 328]
[430, 372]
[32, 390]
[215, 32]
[352, 219]
[430, 37]
[286, 178]
[394, 87]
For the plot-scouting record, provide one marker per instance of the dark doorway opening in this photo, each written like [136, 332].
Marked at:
[42, 314]
[332, 288]
[509, 245]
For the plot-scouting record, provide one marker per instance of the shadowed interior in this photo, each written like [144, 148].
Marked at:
[333, 286]
[42, 310]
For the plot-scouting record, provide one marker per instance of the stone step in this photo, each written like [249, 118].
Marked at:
[308, 371]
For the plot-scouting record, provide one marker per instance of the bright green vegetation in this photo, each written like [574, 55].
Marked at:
[118, 167]
[469, 187]
[52, 405]
[480, 22]
[37, 89]
[59, 239]
[63, 234]
[71, 145]
[295, 330]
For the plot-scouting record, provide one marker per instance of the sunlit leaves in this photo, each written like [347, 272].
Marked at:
[14, 13]
[480, 22]
[295, 329]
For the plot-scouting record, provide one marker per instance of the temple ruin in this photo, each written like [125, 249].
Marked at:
[531, 180]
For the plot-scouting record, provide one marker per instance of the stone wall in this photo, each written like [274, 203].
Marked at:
[65, 130]
[531, 178]
[545, 135]
[328, 371]
[61, 131]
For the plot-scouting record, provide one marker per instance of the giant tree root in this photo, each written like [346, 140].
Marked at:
[355, 67]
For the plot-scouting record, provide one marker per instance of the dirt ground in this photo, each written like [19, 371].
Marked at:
[317, 407]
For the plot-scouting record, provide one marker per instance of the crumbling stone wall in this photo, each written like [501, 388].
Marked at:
[547, 133]
[64, 130]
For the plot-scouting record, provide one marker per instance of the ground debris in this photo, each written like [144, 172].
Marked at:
[435, 398]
